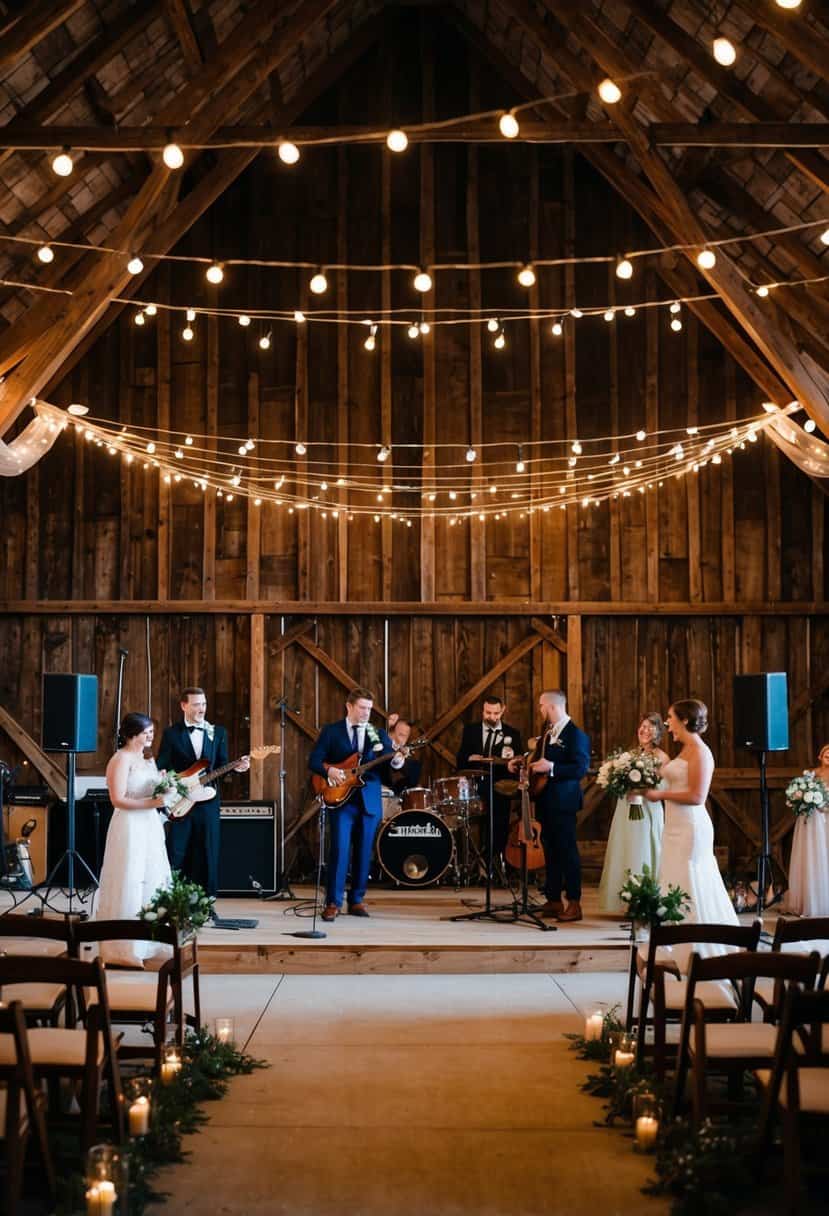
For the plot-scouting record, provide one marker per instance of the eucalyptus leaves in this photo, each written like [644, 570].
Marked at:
[648, 904]
[184, 905]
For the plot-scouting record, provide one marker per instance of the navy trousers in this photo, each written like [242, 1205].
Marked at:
[561, 854]
[351, 838]
[193, 845]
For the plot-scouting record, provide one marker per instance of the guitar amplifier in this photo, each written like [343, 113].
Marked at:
[247, 851]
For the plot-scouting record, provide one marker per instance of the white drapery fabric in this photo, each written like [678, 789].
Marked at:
[34, 441]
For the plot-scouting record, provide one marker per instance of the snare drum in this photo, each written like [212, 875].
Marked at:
[449, 790]
[415, 848]
[418, 798]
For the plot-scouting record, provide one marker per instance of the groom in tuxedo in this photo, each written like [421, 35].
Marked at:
[193, 842]
[565, 759]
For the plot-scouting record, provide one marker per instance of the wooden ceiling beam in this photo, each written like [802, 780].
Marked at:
[794, 32]
[254, 49]
[38, 19]
[181, 22]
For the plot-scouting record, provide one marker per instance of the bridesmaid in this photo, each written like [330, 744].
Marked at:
[809, 866]
[633, 843]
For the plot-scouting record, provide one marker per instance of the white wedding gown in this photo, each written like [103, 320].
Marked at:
[135, 866]
[688, 862]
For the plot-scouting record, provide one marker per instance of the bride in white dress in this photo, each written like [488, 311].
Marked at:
[808, 893]
[135, 857]
[688, 859]
[633, 843]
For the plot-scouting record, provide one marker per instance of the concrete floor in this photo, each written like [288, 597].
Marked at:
[402, 1094]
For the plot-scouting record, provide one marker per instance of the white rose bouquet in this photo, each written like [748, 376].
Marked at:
[807, 794]
[628, 772]
[172, 787]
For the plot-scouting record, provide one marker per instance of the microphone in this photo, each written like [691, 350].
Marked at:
[123, 652]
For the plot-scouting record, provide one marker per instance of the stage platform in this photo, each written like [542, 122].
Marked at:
[408, 932]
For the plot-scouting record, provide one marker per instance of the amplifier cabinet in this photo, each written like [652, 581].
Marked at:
[247, 850]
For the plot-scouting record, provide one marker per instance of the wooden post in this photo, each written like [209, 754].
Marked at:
[164, 537]
[427, 257]
[385, 340]
[652, 426]
[615, 504]
[477, 529]
[254, 513]
[342, 372]
[692, 479]
[729, 556]
[535, 518]
[301, 489]
[208, 577]
[570, 363]
[257, 699]
[575, 685]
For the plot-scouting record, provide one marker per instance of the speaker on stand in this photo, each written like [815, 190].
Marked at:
[761, 725]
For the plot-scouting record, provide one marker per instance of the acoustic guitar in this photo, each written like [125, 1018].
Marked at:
[523, 849]
[538, 781]
[197, 778]
[336, 795]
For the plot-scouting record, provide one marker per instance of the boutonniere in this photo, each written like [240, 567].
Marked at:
[209, 729]
[373, 738]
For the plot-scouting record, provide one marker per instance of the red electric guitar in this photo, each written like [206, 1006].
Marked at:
[197, 778]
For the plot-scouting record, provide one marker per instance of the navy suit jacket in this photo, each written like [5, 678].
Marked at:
[333, 746]
[176, 751]
[570, 755]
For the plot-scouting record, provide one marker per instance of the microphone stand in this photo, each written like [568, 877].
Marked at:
[283, 893]
[488, 912]
[314, 932]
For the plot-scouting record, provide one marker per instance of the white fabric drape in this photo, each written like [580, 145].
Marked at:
[806, 451]
[33, 442]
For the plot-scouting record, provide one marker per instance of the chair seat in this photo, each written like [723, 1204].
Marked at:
[736, 1039]
[132, 991]
[34, 997]
[52, 1048]
[38, 947]
[814, 1089]
[714, 994]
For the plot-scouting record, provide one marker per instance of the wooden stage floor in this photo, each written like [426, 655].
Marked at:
[408, 932]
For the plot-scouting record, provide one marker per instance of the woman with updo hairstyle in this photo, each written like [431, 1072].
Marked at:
[808, 893]
[135, 857]
[688, 859]
[633, 843]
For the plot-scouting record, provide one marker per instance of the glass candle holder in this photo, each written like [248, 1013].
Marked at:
[107, 1180]
[625, 1051]
[593, 1025]
[138, 1095]
[170, 1065]
[646, 1114]
[225, 1030]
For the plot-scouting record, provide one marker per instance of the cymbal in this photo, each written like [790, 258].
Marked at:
[469, 772]
[507, 787]
[482, 760]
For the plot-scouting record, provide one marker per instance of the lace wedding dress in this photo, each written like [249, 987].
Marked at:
[135, 866]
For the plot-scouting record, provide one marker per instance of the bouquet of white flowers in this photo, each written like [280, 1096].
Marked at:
[626, 772]
[807, 794]
[172, 787]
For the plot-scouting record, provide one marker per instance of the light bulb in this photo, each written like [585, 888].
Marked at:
[676, 325]
[557, 330]
[526, 276]
[214, 273]
[151, 448]
[624, 269]
[397, 140]
[640, 435]
[318, 284]
[508, 126]
[244, 320]
[151, 310]
[288, 152]
[824, 236]
[706, 258]
[135, 265]
[520, 467]
[500, 342]
[413, 331]
[610, 92]
[630, 312]
[139, 318]
[265, 342]
[676, 306]
[576, 448]
[46, 254]
[610, 315]
[189, 441]
[187, 334]
[471, 455]
[299, 317]
[383, 454]
[422, 281]
[788, 3]
[576, 312]
[370, 342]
[809, 425]
[762, 292]
[77, 409]
[425, 328]
[242, 450]
[173, 156]
[62, 164]
[300, 449]
[191, 314]
[492, 325]
[724, 52]
[179, 455]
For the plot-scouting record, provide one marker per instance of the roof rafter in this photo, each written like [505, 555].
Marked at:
[39, 19]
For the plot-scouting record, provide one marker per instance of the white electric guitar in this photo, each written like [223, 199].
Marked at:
[198, 776]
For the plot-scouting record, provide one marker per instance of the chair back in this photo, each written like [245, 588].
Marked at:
[743, 969]
[800, 929]
[123, 931]
[41, 927]
[20, 1079]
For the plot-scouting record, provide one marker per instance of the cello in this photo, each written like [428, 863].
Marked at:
[523, 850]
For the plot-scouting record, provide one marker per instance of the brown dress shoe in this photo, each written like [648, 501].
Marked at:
[571, 912]
[331, 912]
[552, 908]
[358, 910]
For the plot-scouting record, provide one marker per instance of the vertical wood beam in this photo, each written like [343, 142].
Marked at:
[427, 257]
[208, 569]
[477, 530]
[818, 525]
[771, 461]
[30, 575]
[257, 700]
[78, 515]
[126, 575]
[615, 504]
[652, 427]
[386, 524]
[535, 517]
[254, 513]
[692, 479]
[571, 422]
[575, 670]
[342, 372]
[303, 523]
[729, 554]
[164, 383]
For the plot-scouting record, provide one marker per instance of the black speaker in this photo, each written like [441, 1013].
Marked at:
[70, 713]
[247, 850]
[761, 712]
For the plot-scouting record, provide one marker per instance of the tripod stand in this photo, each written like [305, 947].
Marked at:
[766, 864]
[71, 854]
[283, 892]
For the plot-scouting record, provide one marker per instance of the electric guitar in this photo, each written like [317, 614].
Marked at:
[198, 776]
[336, 795]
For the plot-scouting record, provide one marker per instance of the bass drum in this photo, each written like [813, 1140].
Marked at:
[415, 848]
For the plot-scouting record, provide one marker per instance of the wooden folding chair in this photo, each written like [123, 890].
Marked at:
[796, 1088]
[742, 1045]
[42, 1003]
[22, 1111]
[144, 997]
[664, 988]
[84, 1055]
[806, 930]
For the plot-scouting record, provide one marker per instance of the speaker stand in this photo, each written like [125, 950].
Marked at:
[71, 856]
[766, 864]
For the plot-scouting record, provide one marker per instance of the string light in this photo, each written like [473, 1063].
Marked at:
[706, 258]
[609, 92]
[425, 328]
[788, 3]
[214, 274]
[641, 435]
[135, 265]
[265, 341]
[762, 292]
[189, 441]
[422, 281]
[493, 325]
[413, 331]
[188, 334]
[371, 340]
[300, 450]
[576, 448]
[508, 125]
[501, 341]
[139, 318]
[520, 467]
[318, 284]
[299, 317]
[824, 236]
[809, 426]
[676, 325]
[62, 164]
[244, 320]
[77, 409]
[46, 254]
[576, 312]
[383, 453]
[526, 276]
[624, 269]
[471, 455]
[556, 329]
[288, 153]
[610, 315]
[630, 312]
[151, 310]
[725, 52]
[397, 141]
[191, 314]
[676, 307]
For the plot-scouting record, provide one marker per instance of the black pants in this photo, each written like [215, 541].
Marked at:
[561, 854]
[193, 845]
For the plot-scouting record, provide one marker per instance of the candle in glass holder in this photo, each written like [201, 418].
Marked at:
[624, 1059]
[93, 1206]
[170, 1067]
[593, 1027]
[139, 1116]
[647, 1129]
[224, 1030]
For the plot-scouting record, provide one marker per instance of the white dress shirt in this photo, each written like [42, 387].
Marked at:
[196, 738]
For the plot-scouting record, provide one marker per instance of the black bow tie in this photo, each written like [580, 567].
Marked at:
[190, 729]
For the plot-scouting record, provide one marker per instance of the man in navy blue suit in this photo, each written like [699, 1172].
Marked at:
[565, 759]
[354, 824]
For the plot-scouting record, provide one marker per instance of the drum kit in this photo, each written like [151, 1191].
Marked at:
[427, 833]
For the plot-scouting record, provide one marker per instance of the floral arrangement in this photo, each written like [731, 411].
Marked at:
[628, 772]
[807, 794]
[646, 902]
[706, 1171]
[171, 786]
[184, 905]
